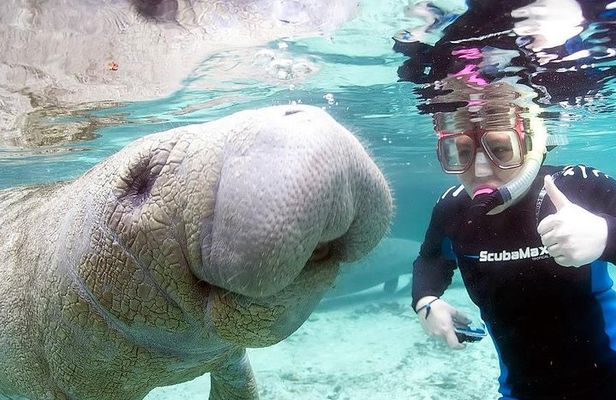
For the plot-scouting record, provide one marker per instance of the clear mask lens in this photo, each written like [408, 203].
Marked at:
[457, 152]
[503, 147]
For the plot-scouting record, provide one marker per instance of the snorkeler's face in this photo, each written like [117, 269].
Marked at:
[484, 158]
[484, 177]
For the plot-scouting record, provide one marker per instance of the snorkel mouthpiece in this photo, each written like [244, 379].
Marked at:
[484, 202]
[486, 190]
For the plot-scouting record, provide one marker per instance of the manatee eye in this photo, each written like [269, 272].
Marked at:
[321, 253]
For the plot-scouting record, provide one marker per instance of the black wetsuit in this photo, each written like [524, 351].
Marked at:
[554, 327]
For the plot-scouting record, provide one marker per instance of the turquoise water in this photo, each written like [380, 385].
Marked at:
[353, 76]
[354, 79]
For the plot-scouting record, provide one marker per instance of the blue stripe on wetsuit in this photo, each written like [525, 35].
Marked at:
[606, 297]
[447, 249]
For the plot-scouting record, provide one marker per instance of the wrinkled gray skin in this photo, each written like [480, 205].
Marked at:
[56, 55]
[166, 260]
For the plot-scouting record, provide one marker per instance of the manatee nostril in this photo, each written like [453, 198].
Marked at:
[322, 252]
[140, 189]
[157, 9]
[291, 112]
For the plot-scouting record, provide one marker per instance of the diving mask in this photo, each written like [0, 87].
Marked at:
[505, 148]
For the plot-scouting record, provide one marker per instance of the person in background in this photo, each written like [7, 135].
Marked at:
[532, 241]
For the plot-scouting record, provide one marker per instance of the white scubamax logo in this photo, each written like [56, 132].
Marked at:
[520, 254]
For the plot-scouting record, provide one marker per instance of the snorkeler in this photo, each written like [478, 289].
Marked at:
[554, 327]
[532, 241]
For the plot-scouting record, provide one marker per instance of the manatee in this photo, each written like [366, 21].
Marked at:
[392, 258]
[168, 259]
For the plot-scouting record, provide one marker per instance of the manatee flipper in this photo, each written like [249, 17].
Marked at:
[233, 379]
[391, 285]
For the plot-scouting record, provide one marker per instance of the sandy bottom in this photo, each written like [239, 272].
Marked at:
[369, 348]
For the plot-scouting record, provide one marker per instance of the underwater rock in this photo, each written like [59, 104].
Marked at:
[58, 53]
[168, 259]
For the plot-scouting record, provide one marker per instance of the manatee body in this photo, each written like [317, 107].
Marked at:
[168, 259]
[392, 258]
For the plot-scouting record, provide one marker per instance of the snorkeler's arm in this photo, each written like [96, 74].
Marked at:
[433, 271]
[433, 268]
[431, 276]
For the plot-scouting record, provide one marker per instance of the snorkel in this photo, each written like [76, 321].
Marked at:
[505, 195]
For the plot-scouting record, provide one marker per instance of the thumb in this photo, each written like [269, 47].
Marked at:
[461, 319]
[558, 198]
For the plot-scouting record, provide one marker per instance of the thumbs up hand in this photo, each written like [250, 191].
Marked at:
[573, 236]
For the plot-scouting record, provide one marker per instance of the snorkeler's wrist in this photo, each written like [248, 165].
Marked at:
[424, 303]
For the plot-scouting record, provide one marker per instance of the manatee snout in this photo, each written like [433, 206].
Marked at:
[301, 188]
